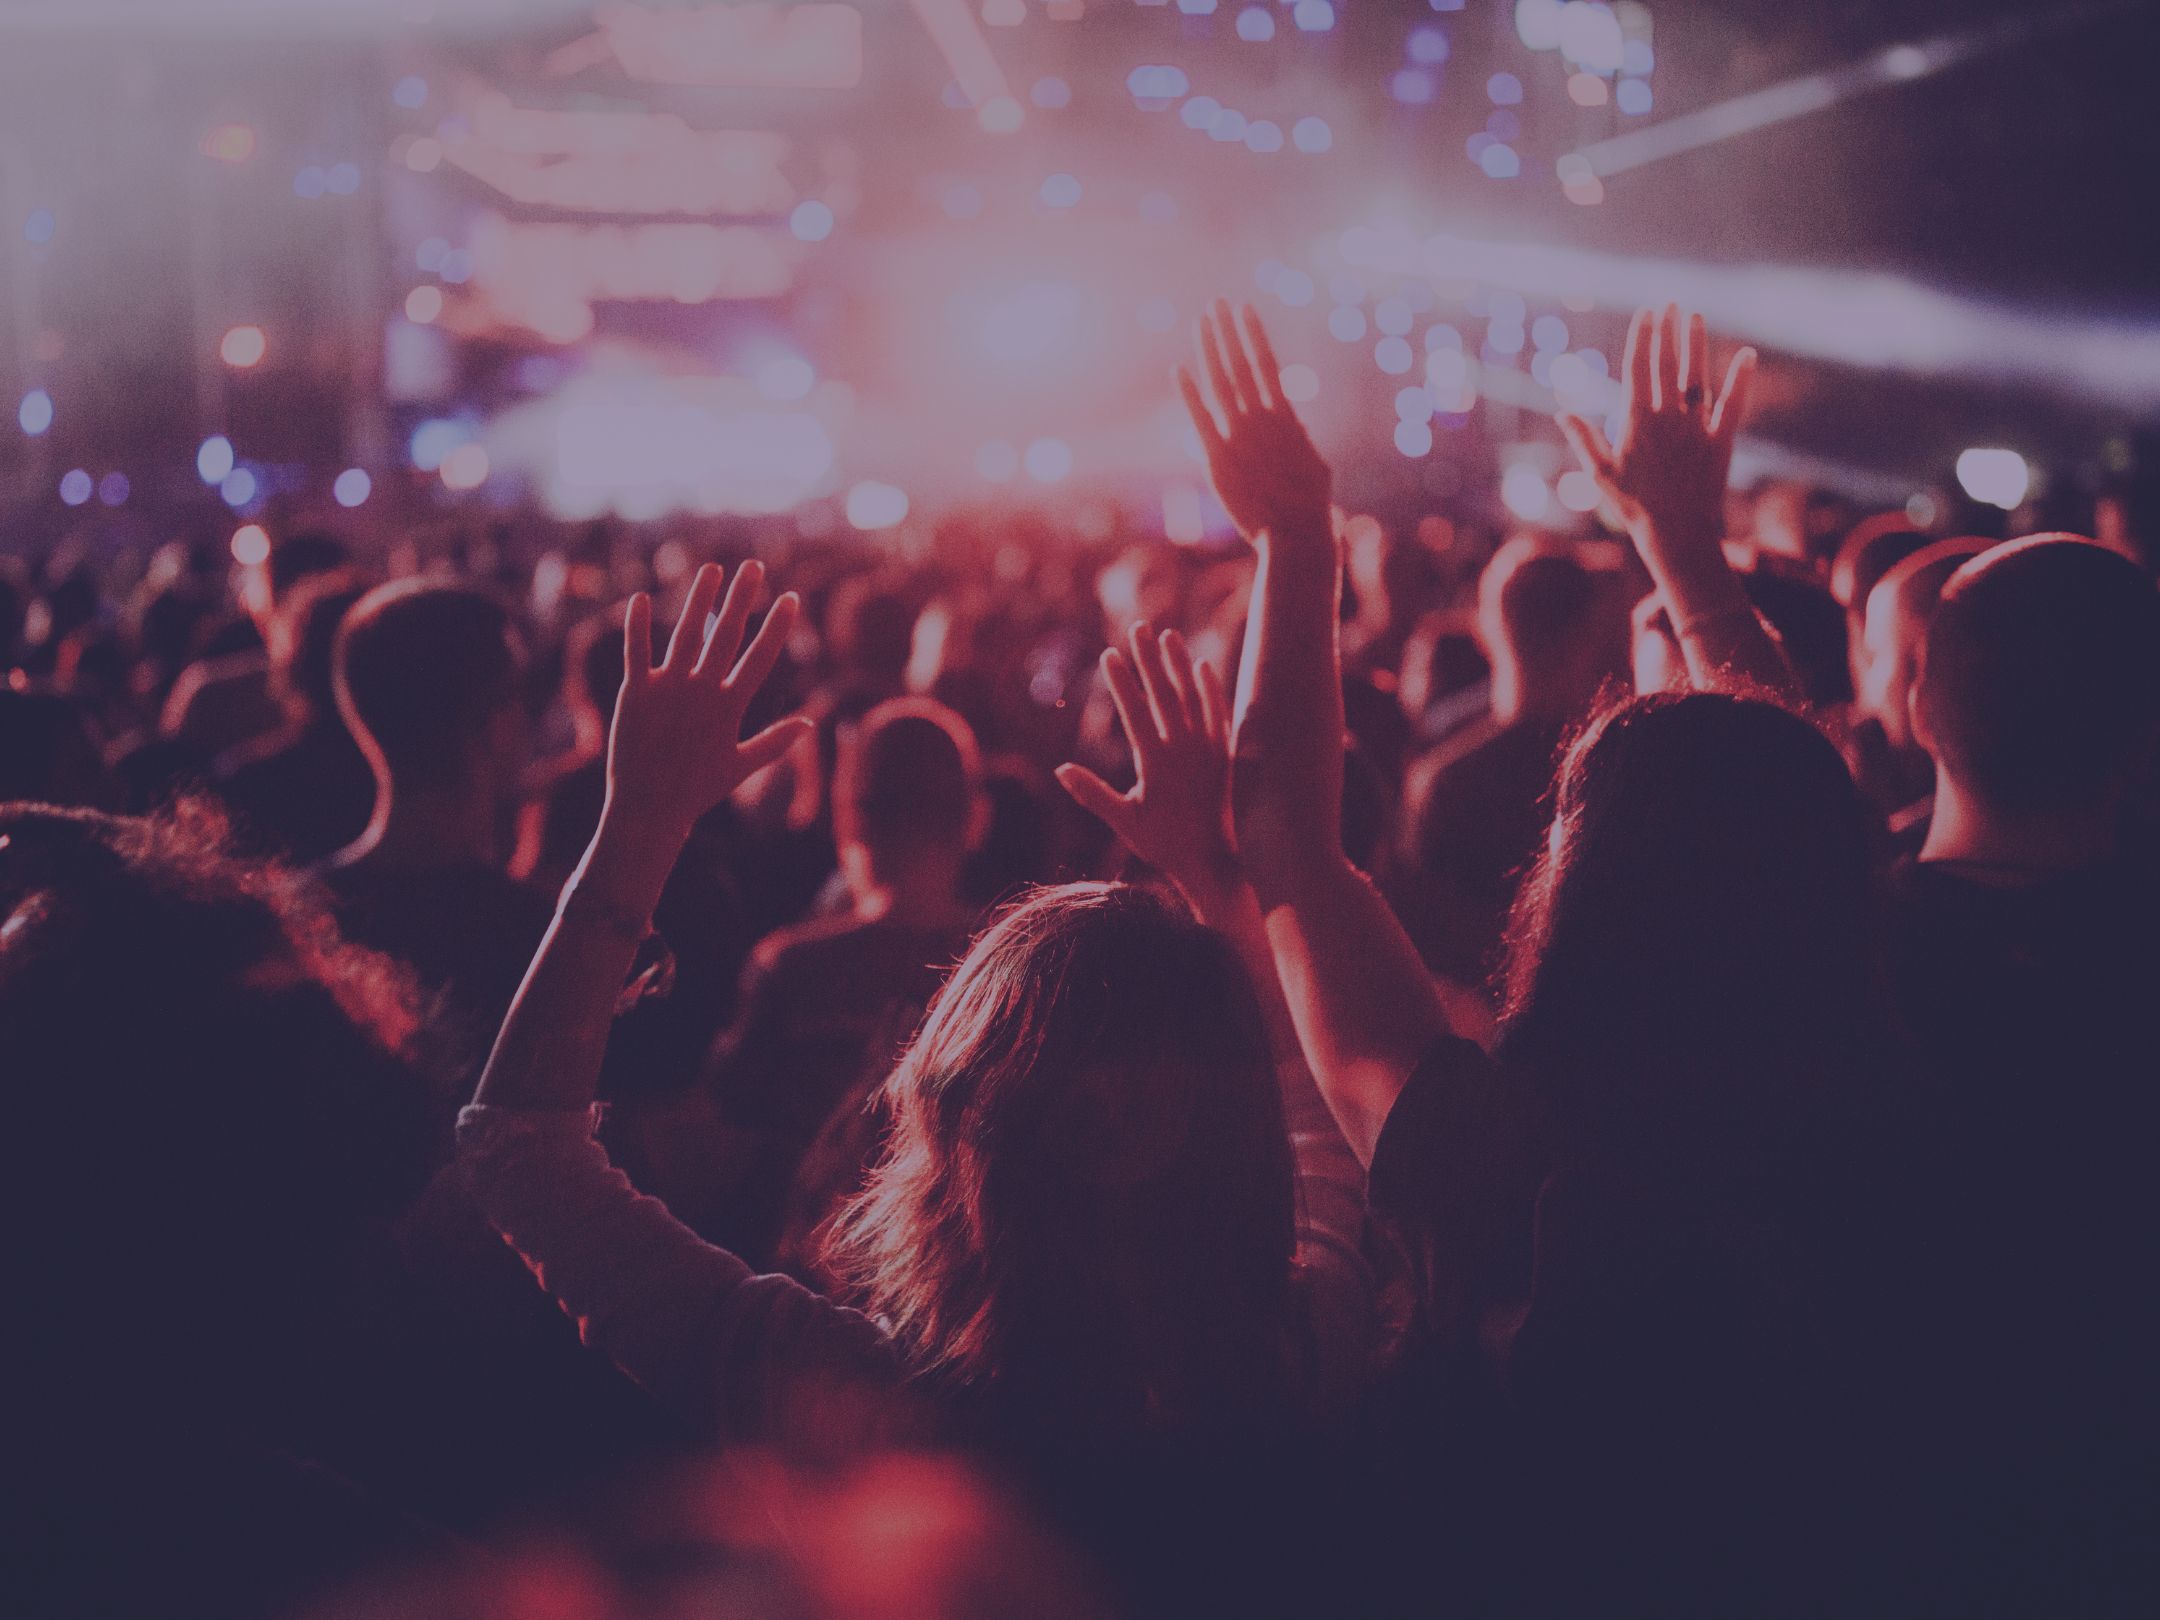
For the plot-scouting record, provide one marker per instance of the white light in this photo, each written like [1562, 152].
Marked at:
[251, 545]
[410, 92]
[75, 486]
[1256, 23]
[343, 179]
[1413, 404]
[998, 462]
[872, 505]
[1032, 322]
[243, 346]
[1263, 136]
[1060, 191]
[465, 468]
[1049, 460]
[352, 488]
[309, 182]
[1549, 333]
[1300, 383]
[1590, 36]
[1414, 439]
[1051, 93]
[1313, 16]
[1392, 355]
[1200, 112]
[237, 487]
[1311, 135]
[1183, 519]
[1295, 288]
[1523, 492]
[786, 377]
[1997, 477]
[424, 305]
[215, 459]
[36, 412]
[1000, 115]
[1577, 490]
[811, 221]
[1633, 97]
[1500, 162]
[434, 439]
[1537, 23]
[1346, 322]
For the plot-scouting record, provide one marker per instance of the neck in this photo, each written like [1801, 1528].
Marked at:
[1964, 828]
[1514, 698]
[925, 895]
[416, 828]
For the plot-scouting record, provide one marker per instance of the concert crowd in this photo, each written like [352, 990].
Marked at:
[596, 1072]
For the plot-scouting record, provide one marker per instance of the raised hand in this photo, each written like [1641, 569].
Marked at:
[675, 749]
[1272, 482]
[1666, 472]
[1176, 818]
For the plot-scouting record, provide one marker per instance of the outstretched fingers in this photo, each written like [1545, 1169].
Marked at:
[637, 640]
[1203, 415]
[1224, 390]
[1177, 662]
[1263, 353]
[1214, 705]
[765, 647]
[1241, 366]
[727, 631]
[1732, 400]
[688, 641]
[1130, 701]
[1162, 700]
[1097, 797]
[1589, 442]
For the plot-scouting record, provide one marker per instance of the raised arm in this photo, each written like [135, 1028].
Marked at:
[1665, 476]
[1363, 1005]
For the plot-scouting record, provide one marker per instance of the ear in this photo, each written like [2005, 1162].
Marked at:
[1916, 707]
[978, 827]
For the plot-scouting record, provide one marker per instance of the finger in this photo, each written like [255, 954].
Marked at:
[1264, 360]
[1092, 794]
[1732, 402]
[1695, 362]
[765, 648]
[1162, 702]
[697, 607]
[1665, 358]
[1177, 663]
[772, 743]
[1241, 366]
[1639, 365]
[637, 640]
[1218, 374]
[1203, 416]
[1131, 705]
[1589, 442]
[1214, 706]
[727, 631]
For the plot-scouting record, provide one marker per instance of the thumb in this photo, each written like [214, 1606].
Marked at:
[757, 752]
[1097, 797]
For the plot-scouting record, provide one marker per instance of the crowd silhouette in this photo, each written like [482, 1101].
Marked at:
[1591, 1075]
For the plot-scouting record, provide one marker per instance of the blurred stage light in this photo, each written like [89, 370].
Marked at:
[243, 347]
[1300, 383]
[1577, 491]
[75, 486]
[237, 487]
[1549, 333]
[352, 488]
[251, 545]
[1004, 13]
[1411, 87]
[1229, 126]
[1255, 24]
[1500, 162]
[1295, 288]
[1000, 115]
[465, 468]
[1184, 520]
[1052, 93]
[113, 489]
[1060, 191]
[1633, 97]
[1392, 355]
[1523, 492]
[1537, 23]
[424, 156]
[229, 143]
[430, 254]
[40, 227]
[1311, 135]
[36, 412]
[786, 377]
[1588, 90]
[1200, 112]
[214, 460]
[1590, 36]
[998, 462]
[434, 439]
[1413, 404]
[1032, 322]
[423, 305]
[1414, 439]
[1996, 477]
[342, 179]
[1313, 16]
[1263, 136]
[1049, 460]
[811, 221]
[1504, 89]
[1346, 323]
[410, 92]
[872, 505]
[309, 182]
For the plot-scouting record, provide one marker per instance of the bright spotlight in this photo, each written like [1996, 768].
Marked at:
[75, 486]
[251, 545]
[353, 487]
[1049, 460]
[872, 505]
[1523, 492]
[214, 461]
[465, 468]
[229, 143]
[1000, 115]
[36, 412]
[1032, 322]
[424, 305]
[1998, 477]
[243, 346]
[238, 487]
[812, 221]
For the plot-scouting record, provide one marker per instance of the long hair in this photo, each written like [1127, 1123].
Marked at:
[1697, 934]
[1084, 1217]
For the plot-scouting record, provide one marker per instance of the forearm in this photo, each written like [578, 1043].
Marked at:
[1721, 636]
[1226, 903]
[549, 1051]
[1289, 710]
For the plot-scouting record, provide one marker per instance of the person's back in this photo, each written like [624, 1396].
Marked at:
[1473, 808]
[2023, 958]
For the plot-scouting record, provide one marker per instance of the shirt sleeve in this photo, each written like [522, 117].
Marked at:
[1339, 1285]
[738, 1354]
[1454, 1178]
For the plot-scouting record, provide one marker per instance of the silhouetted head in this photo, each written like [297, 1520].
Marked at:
[1554, 629]
[428, 679]
[205, 1086]
[908, 786]
[2039, 684]
[47, 752]
[1871, 550]
[303, 641]
[593, 668]
[1084, 1212]
[301, 556]
[1894, 621]
[1696, 933]
[870, 631]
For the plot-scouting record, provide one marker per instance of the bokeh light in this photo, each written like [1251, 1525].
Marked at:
[352, 488]
[873, 505]
[214, 459]
[76, 486]
[251, 545]
[1994, 477]
[35, 413]
[243, 347]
